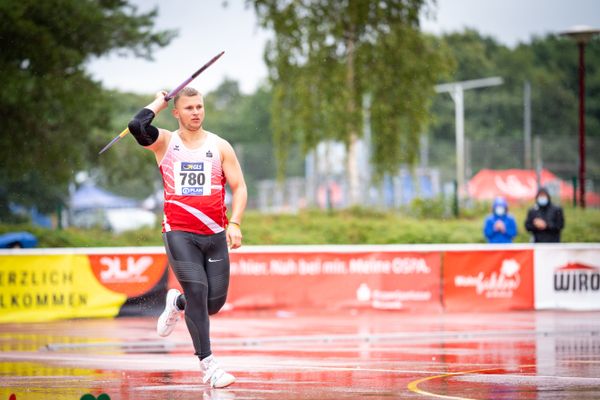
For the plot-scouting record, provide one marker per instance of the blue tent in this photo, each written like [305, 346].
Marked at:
[89, 197]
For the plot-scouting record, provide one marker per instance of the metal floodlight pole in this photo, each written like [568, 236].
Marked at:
[527, 125]
[581, 46]
[582, 35]
[456, 91]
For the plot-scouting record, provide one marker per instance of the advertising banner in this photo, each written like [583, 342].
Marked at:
[567, 278]
[44, 287]
[47, 287]
[382, 280]
[488, 280]
[49, 284]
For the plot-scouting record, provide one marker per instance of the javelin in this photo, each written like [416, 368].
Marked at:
[168, 97]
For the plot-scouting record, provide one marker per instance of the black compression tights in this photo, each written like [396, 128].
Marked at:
[201, 265]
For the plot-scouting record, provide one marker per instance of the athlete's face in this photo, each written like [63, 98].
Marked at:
[189, 111]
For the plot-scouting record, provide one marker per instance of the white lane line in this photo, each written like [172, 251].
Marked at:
[510, 379]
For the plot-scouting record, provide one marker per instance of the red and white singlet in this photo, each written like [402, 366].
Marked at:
[194, 187]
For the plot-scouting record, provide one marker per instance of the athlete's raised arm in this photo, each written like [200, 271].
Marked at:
[146, 134]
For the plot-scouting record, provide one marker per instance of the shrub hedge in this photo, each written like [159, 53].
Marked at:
[352, 226]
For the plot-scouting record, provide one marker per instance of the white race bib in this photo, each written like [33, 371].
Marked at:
[192, 178]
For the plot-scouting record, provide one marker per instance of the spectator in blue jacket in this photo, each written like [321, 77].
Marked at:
[500, 226]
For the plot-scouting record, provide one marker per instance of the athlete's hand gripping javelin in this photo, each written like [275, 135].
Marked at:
[159, 103]
[167, 97]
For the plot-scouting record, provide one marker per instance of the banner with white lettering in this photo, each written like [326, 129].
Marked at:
[567, 278]
[382, 280]
[44, 287]
[488, 280]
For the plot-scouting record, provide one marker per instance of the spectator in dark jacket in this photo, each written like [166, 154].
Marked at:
[544, 219]
[500, 226]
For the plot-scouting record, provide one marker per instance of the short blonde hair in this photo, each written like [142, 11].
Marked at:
[187, 92]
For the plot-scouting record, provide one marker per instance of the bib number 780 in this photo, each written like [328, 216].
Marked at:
[191, 178]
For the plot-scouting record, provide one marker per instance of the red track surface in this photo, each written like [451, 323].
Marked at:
[312, 355]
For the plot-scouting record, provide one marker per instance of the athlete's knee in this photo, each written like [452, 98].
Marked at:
[215, 305]
[195, 294]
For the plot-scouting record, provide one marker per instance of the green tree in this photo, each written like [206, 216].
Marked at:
[327, 56]
[52, 110]
[494, 116]
[245, 121]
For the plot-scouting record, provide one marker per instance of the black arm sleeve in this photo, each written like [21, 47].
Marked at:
[140, 127]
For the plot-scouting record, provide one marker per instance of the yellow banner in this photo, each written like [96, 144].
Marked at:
[36, 288]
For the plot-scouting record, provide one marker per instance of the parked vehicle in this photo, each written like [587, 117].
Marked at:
[16, 240]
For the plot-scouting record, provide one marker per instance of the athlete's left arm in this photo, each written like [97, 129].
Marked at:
[235, 179]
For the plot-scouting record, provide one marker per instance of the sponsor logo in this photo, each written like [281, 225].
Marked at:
[192, 191]
[190, 166]
[389, 299]
[500, 284]
[133, 270]
[209, 154]
[363, 293]
[576, 277]
[176, 147]
[132, 275]
[217, 260]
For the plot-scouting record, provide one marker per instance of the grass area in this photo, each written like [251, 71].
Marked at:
[371, 227]
[353, 226]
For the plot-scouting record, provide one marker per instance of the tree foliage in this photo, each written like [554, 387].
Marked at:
[327, 56]
[244, 121]
[548, 64]
[52, 111]
[494, 116]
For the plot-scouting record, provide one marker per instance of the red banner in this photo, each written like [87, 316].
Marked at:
[494, 280]
[382, 280]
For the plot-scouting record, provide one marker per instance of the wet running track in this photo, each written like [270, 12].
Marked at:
[311, 355]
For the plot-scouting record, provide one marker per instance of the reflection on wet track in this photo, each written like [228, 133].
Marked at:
[312, 355]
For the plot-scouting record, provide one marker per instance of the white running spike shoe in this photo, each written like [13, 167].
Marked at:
[214, 375]
[170, 316]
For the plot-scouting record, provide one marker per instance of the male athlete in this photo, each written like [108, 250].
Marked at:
[195, 165]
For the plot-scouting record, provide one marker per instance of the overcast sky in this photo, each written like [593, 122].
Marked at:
[206, 28]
